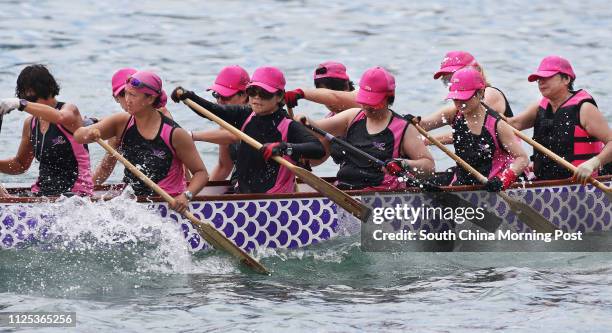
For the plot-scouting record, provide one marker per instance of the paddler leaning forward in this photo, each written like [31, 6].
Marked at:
[265, 120]
[152, 141]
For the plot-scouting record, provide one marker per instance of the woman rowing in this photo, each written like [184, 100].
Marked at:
[494, 98]
[334, 89]
[565, 121]
[119, 79]
[265, 120]
[47, 135]
[152, 141]
[229, 89]
[479, 137]
[377, 130]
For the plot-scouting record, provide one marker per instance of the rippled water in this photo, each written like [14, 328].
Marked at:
[333, 286]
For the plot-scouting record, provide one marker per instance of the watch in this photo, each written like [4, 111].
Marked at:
[289, 150]
[22, 104]
[188, 195]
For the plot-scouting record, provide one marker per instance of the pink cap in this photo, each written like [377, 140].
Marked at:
[269, 78]
[552, 65]
[375, 84]
[231, 80]
[119, 79]
[464, 83]
[454, 61]
[151, 81]
[332, 69]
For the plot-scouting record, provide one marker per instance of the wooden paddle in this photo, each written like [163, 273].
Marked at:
[557, 158]
[206, 230]
[344, 200]
[3, 191]
[525, 213]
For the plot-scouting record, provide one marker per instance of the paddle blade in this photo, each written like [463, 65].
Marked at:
[344, 200]
[219, 241]
[528, 215]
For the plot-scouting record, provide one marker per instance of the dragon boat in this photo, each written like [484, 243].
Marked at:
[255, 221]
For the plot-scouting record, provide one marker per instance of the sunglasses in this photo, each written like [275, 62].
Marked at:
[257, 91]
[134, 82]
[321, 70]
[220, 97]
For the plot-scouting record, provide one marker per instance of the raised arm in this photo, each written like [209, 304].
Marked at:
[106, 128]
[68, 116]
[218, 136]
[525, 119]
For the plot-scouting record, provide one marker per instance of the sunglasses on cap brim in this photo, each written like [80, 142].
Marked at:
[134, 82]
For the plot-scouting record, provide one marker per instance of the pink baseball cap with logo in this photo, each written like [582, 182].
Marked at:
[464, 84]
[454, 61]
[375, 84]
[550, 66]
[230, 81]
[119, 79]
[331, 69]
[270, 79]
[149, 83]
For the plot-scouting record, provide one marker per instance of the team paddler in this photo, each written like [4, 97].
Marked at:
[265, 120]
[494, 98]
[118, 82]
[566, 121]
[380, 132]
[229, 88]
[333, 88]
[152, 141]
[479, 137]
[48, 136]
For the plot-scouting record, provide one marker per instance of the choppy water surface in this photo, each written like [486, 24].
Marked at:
[151, 282]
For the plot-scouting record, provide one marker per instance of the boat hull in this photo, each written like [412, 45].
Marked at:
[265, 221]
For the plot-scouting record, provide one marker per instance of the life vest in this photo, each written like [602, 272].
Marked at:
[562, 133]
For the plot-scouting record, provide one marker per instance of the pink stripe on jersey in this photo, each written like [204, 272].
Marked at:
[501, 158]
[285, 180]
[174, 183]
[84, 183]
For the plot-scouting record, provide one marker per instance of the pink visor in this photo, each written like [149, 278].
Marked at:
[119, 79]
[375, 84]
[331, 69]
[454, 61]
[230, 81]
[464, 84]
[550, 66]
[269, 78]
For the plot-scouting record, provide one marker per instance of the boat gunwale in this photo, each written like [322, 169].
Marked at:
[285, 196]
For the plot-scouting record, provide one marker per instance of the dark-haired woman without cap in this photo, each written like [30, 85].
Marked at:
[48, 136]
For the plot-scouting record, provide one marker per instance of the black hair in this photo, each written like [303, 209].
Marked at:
[36, 79]
[334, 83]
[570, 86]
[280, 93]
[390, 99]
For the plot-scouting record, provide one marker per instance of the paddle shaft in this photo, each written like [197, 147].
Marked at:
[344, 200]
[208, 232]
[555, 157]
[539, 223]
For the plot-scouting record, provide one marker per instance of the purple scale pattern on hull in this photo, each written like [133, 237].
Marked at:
[289, 223]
